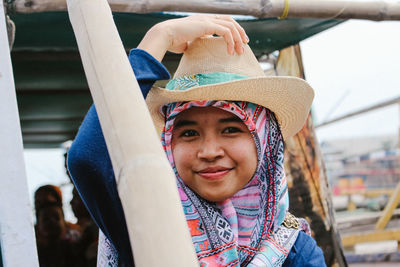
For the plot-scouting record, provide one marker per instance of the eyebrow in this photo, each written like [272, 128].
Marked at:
[231, 119]
[182, 123]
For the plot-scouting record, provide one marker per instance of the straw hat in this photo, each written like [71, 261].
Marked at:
[207, 72]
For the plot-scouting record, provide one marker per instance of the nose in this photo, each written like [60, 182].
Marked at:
[210, 149]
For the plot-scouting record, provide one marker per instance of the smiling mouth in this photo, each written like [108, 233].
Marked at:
[214, 173]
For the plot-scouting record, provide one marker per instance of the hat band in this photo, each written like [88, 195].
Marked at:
[192, 80]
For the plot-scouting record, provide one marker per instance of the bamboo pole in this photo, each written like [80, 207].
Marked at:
[17, 236]
[377, 10]
[389, 208]
[361, 111]
[371, 236]
[146, 183]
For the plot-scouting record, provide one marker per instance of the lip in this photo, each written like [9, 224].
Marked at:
[214, 173]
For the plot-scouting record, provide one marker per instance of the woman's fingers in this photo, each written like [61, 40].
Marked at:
[241, 31]
[237, 38]
[226, 33]
[179, 48]
[173, 35]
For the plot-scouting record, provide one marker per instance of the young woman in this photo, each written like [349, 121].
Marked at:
[222, 125]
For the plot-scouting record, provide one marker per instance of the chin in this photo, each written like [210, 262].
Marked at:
[215, 197]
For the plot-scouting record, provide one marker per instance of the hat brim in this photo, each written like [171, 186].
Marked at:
[289, 98]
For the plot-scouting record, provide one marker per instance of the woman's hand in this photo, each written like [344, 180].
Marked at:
[173, 35]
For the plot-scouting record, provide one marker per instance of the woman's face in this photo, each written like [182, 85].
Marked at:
[214, 152]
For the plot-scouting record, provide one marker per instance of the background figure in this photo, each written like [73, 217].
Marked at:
[47, 194]
[86, 248]
[55, 237]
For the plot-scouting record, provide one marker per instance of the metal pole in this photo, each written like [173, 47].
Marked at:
[361, 111]
[18, 246]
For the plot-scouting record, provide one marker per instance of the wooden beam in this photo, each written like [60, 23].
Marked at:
[345, 223]
[17, 238]
[394, 199]
[329, 9]
[351, 240]
[377, 192]
[158, 232]
[309, 191]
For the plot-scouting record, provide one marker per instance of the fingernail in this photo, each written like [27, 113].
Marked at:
[247, 39]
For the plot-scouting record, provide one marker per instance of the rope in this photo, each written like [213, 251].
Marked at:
[285, 11]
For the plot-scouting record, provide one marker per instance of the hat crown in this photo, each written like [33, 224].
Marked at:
[207, 72]
[210, 55]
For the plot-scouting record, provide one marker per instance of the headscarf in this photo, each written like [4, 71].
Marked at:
[246, 229]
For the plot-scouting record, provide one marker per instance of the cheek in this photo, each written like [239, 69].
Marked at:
[247, 154]
[182, 157]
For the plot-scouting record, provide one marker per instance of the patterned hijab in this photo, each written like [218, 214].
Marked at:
[246, 229]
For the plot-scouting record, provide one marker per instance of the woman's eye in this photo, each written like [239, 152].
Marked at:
[232, 130]
[189, 133]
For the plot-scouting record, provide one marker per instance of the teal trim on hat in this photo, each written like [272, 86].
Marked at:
[193, 80]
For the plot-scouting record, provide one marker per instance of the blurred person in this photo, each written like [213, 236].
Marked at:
[53, 244]
[47, 194]
[86, 247]
[55, 237]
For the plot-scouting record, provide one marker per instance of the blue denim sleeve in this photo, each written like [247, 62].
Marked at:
[90, 166]
[147, 69]
[305, 253]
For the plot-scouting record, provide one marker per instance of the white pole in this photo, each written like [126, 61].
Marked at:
[146, 183]
[18, 246]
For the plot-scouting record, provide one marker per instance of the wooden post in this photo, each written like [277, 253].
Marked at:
[17, 238]
[394, 198]
[371, 236]
[328, 9]
[309, 192]
[389, 208]
[147, 188]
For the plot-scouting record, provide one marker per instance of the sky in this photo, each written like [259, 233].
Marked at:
[46, 166]
[351, 66]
